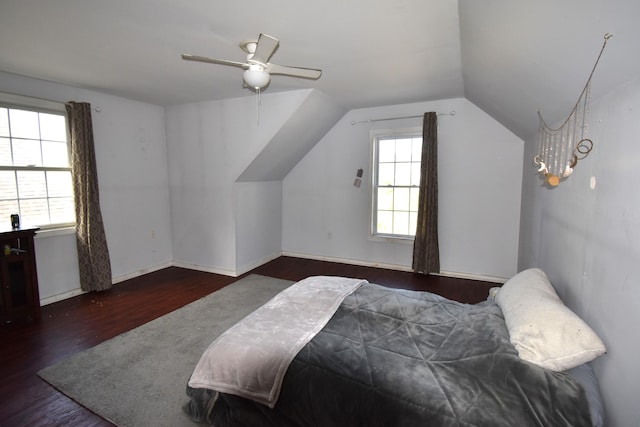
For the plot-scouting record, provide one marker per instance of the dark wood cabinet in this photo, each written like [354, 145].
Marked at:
[19, 296]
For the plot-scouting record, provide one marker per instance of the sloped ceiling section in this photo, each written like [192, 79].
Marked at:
[316, 115]
[508, 57]
[372, 53]
[521, 56]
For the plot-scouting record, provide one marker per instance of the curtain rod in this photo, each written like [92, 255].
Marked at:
[452, 113]
[26, 101]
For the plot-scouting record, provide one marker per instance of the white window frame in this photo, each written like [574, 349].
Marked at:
[10, 100]
[375, 136]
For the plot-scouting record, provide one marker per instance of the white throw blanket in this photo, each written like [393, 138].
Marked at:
[251, 358]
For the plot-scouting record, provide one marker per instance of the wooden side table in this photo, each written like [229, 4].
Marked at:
[19, 295]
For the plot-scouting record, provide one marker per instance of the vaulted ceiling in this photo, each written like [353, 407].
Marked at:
[508, 57]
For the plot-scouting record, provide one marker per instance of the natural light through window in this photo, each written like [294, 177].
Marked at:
[35, 174]
[396, 185]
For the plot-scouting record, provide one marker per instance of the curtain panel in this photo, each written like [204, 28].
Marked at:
[426, 252]
[93, 252]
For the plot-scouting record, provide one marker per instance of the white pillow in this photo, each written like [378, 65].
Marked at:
[541, 327]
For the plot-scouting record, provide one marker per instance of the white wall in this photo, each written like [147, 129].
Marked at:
[169, 190]
[587, 242]
[134, 193]
[210, 145]
[325, 216]
[258, 208]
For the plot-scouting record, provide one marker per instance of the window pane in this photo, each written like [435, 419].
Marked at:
[54, 154]
[401, 199]
[5, 152]
[32, 138]
[403, 150]
[26, 152]
[403, 174]
[416, 147]
[398, 182]
[401, 223]
[386, 172]
[413, 203]
[385, 222]
[24, 124]
[31, 184]
[34, 212]
[385, 199]
[413, 221]
[62, 210]
[8, 207]
[4, 122]
[59, 184]
[386, 150]
[415, 173]
[8, 186]
[53, 127]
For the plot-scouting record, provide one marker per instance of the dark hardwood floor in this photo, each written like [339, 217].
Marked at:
[78, 323]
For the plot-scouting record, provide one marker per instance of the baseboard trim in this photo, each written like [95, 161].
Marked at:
[114, 281]
[59, 297]
[141, 272]
[245, 269]
[470, 276]
[398, 267]
[248, 268]
[348, 261]
[206, 269]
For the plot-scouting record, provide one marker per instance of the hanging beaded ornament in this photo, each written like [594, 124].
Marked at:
[560, 149]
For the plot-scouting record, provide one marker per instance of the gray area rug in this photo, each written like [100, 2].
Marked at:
[139, 377]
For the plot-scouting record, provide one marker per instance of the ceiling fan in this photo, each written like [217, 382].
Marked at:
[258, 69]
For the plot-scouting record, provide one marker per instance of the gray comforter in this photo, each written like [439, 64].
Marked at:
[403, 358]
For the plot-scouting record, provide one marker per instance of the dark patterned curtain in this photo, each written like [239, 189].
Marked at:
[93, 253]
[426, 253]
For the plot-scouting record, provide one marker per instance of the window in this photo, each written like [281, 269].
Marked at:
[396, 184]
[35, 174]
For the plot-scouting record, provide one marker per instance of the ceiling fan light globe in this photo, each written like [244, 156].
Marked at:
[256, 78]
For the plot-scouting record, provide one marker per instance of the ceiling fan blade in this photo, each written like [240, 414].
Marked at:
[305, 73]
[265, 48]
[197, 58]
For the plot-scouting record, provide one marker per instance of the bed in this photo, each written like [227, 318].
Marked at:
[389, 357]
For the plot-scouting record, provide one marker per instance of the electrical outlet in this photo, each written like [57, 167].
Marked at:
[329, 235]
[153, 234]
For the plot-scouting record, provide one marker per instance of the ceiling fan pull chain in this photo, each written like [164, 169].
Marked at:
[258, 101]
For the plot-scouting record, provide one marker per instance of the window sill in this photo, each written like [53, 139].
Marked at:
[53, 232]
[391, 239]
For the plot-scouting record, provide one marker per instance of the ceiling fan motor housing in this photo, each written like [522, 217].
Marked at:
[258, 69]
